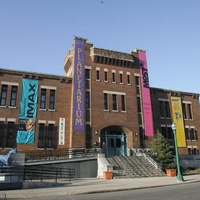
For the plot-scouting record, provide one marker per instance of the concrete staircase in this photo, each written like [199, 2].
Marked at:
[133, 167]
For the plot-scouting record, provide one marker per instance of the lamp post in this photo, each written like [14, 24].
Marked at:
[179, 176]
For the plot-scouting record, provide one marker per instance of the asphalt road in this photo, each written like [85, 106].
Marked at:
[189, 191]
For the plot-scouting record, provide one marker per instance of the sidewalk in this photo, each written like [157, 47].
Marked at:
[96, 185]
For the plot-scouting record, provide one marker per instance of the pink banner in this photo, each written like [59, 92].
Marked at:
[146, 98]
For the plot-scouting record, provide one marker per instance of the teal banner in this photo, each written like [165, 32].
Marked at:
[29, 95]
[28, 111]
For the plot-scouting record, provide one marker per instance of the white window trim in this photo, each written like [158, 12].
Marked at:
[48, 87]
[9, 83]
[114, 92]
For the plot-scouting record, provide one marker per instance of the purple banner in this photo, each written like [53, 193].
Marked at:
[146, 97]
[79, 86]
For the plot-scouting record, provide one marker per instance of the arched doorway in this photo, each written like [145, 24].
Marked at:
[114, 141]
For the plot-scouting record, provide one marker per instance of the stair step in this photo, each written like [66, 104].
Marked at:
[133, 167]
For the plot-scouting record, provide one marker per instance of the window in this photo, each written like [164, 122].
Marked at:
[161, 109]
[50, 136]
[167, 132]
[121, 78]
[138, 105]
[137, 81]
[192, 134]
[2, 133]
[184, 111]
[43, 99]
[113, 77]
[87, 100]
[52, 100]
[192, 150]
[106, 76]
[105, 101]
[97, 75]
[164, 131]
[170, 133]
[87, 116]
[46, 137]
[10, 140]
[123, 102]
[128, 79]
[114, 101]
[13, 96]
[164, 108]
[3, 95]
[87, 74]
[41, 137]
[167, 110]
[187, 110]
[187, 133]
[190, 111]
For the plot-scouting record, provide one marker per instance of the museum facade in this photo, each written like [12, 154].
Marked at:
[103, 101]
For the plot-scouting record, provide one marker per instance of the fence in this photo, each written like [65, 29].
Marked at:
[46, 173]
[39, 173]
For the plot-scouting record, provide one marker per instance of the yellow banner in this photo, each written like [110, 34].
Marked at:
[177, 116]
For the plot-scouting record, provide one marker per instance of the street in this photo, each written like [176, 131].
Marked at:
[176, 192]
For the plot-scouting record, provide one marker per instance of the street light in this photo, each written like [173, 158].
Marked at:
[179, 176]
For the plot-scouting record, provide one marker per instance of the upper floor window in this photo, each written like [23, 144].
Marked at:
[190, 111]
[113, 77]
[123, 102]
[139, 109]
[87, 100]
[121, 78]
[43, 99]
[52, 100]
[190, 133]
[187, 133]
[13, 96]
[98, 75]
[87, 74]
[167, 110]
[187, 110]
[137, 81]
[105, 101]
[106, 76]
[164, 108]
[114, 101]
[4, 89]
[184, 111]
[128, 79]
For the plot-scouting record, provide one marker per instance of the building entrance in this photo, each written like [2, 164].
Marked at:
[114, 143]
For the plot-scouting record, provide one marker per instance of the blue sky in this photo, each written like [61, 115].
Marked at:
[35, 35]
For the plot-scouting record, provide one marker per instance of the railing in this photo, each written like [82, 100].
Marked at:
[151, 160]
[39, 173]
[45, 173]
[59, 154]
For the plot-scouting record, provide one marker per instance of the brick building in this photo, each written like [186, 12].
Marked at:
[103, 101]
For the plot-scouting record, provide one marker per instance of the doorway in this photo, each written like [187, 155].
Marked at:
[114, 143]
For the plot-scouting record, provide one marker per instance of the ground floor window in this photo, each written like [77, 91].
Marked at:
[8, 134]
[47, 136]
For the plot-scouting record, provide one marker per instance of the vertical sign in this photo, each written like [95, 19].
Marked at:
[79, 86]
[177, 116]
[146, 98]
[27, 112]
[61, 131]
